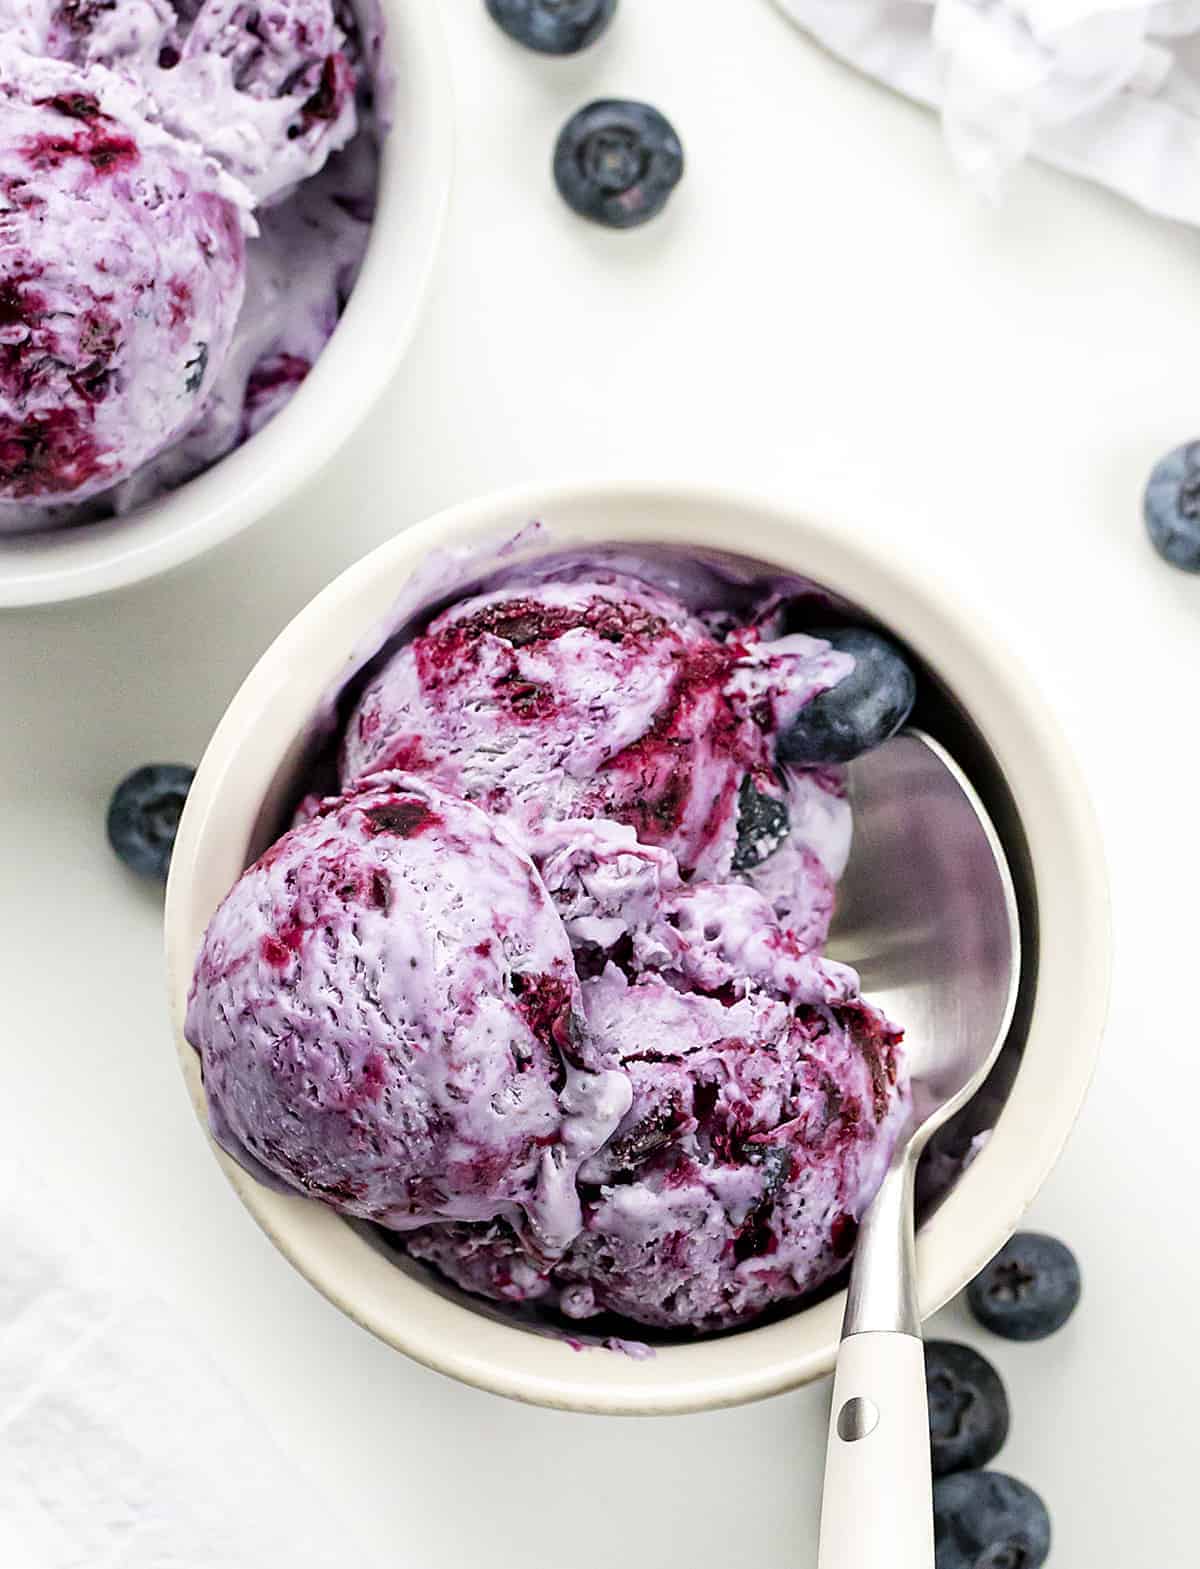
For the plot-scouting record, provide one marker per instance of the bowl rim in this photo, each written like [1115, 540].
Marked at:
[352, 373]
[1065, 1030]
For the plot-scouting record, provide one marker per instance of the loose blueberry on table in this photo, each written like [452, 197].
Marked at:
[862, 711]
[143, 816]
[553, 26]
[1172, 507]
[968, 1408]
[1029, 1290]
[986, 1520]
[617, 162]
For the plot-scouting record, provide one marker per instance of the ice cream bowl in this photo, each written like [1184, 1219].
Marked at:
[371, 339]
[975, 698]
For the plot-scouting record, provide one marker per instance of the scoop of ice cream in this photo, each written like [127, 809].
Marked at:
[300, 270]
[273, 49]
[758, 1133]
[269, 89]
[767, 1098]
[799, 879]
[386, 1014]
[601, 698]
[122, 269]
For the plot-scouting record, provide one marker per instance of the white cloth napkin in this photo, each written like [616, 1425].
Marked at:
[120, 1446]
[1109, 89]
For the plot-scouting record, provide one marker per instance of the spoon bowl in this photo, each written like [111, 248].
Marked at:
[928, 916]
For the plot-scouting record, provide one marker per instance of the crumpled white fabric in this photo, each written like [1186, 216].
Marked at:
[120, 1446]
[1108, 89]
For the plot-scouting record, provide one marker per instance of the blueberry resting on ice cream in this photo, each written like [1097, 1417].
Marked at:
[862, 712]
[543, 991]
[597, 697]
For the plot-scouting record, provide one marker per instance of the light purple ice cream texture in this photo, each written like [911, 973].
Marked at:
[186, 191]
[542, 991]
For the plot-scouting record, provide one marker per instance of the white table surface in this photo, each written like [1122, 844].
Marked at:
[823, 308]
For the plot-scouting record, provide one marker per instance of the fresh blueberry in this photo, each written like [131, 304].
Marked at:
[762, 826]
[553, 26]
[143, 816]
[968, 1408]
[861, 711]
[1029, 1290]
[1172, 507]
[617, 161]
[986, 1520]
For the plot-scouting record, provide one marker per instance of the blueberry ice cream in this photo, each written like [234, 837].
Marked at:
[388, 1012]
[123, 276]
[541, 989]
[185, 195]
[766, 1098]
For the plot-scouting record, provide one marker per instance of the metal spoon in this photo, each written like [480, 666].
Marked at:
[928, 916]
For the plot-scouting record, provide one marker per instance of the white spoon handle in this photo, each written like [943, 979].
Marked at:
[877, 1510]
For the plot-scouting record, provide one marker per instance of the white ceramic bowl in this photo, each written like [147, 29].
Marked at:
[370, 341]
[1019, 762]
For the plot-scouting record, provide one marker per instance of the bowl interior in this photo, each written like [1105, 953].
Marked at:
[370, 341]
[938, 712]
[972, 700]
